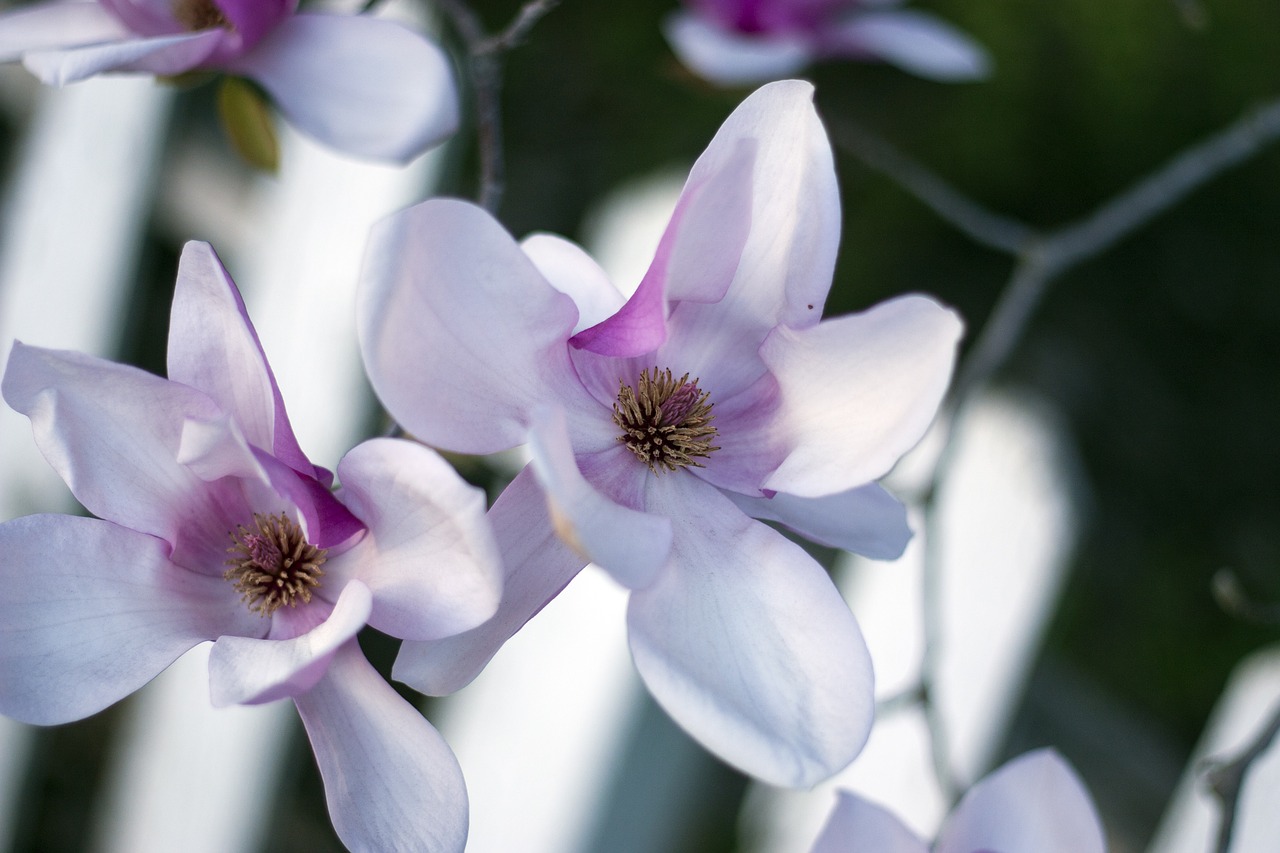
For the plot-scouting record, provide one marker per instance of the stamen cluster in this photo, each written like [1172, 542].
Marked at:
[665, 421]
[199, 15]
[273, 565]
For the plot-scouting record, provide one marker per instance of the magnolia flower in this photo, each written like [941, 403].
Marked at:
[662, 426]
[1033, 804]
[213, 525]
[732, 42]
[364, 86]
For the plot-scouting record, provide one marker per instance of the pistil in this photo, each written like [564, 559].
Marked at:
[666, 422]
[273, 565]
[199, 15]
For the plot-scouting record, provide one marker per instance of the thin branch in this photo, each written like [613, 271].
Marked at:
[1226, 779]
[975, 221]
[484, 64]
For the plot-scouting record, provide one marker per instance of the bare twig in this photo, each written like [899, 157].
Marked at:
[484, 64]
[1226, 779]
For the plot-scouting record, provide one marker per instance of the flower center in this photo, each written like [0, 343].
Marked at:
[199, 14]
[273, 564]
[665, 421]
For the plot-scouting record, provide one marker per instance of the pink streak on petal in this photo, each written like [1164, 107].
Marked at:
[390, 780]
[326, 522]
[253, 19]
[91, 611]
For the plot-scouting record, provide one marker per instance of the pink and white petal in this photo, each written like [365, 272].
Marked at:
[537, 564]
[253, 19]
[858, 825]
[914, 41]
[630, 545]
[245, 671]
[90, 611]
[696, 258]
[113, 433]
[748, 645]
[787, 262]
[1034, 802]
[866, 520]
[750, 449]
[730, 58]
[390, 780]
[159, 55]
[145, 17]
[573, 272]
[57, 25]
[325, 521]
[364, 86]
[429, 556]
[461, 335]
[859, 391]
[213, 346]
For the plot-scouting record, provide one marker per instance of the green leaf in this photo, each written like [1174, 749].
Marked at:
[249, 124]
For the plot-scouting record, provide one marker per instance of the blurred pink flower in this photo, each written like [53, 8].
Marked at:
[1033, 804]
[213, 525]
[733, 42]
[361, 85]
[662, 427]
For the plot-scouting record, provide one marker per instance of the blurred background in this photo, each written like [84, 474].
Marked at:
[1123, 458]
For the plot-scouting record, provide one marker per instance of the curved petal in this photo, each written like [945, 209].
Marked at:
[160, 55]
[244, 671]
[914, 41]
[859, 391]
[390, 780]
[145, 17]
[364, 86]
[628, 544]
[95, 420]
[213, 346]
[734, 59]
[573, 272]
[460, 334]
[748, 645]
[866, 520]
[750, 448]
[786, 264]
[429, 556]
[538, 565]
[696, 258]
[1034, 802]
[253, 19]
[856, 824]
[91, 611]
[54, 25]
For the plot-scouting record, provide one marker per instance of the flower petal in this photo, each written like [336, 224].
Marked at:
[914, 41]
[785, 266]
[628, 544]
[94, 419]
[429, 556]
[461, 335]
[573, 272]
[146, 17]
[213, 346]
[245, 671]
[252, 19]
[54, 25]
[1034, 802]
[866, 520]
[859, 391]
[391, 781]
[538, 565]
[362, 85]
[733, 59]
[696, 257]
[161, 55]
[745, 641]
[856, 824]
[90, 611]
